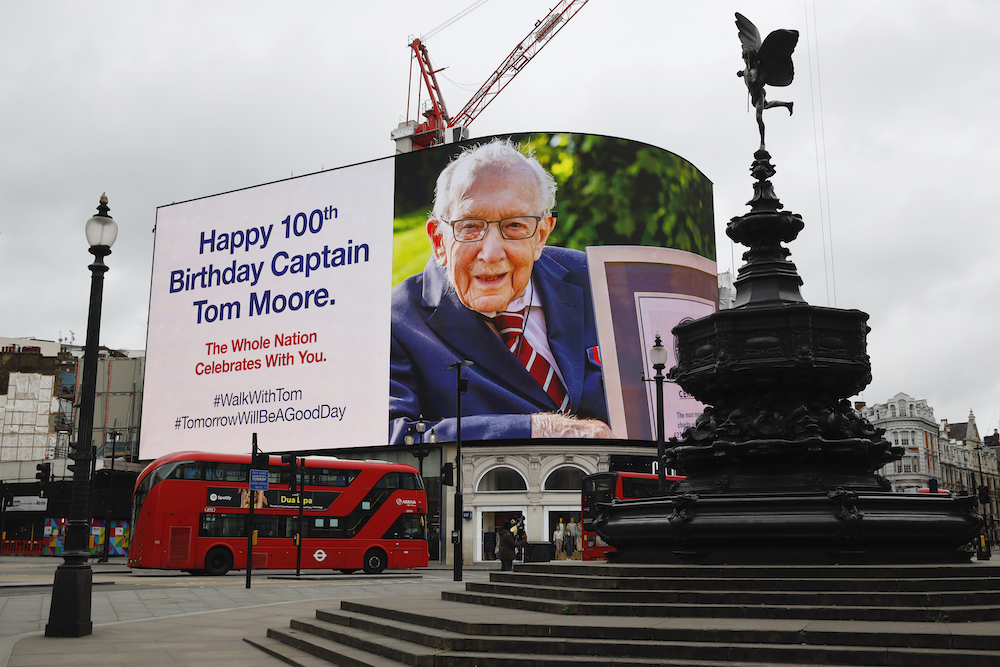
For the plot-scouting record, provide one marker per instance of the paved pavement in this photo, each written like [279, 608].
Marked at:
[165, 618]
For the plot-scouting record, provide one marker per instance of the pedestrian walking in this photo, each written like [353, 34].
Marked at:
[507, 546]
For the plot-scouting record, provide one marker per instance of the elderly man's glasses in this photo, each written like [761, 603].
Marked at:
[518, 228]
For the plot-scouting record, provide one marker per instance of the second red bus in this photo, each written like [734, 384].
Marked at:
[603, 487]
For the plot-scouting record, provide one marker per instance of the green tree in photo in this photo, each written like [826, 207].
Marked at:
[618, 192]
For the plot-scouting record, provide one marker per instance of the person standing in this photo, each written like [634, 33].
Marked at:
[557, 538]
[571, 537]
[507, 546]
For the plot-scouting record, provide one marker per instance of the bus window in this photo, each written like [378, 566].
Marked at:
[406, 527]
[639, 487]
[235, 472]
[328, 477]
[390, 480]
[225, 472]
[266, 526]
[191, 470]
[325, 527]
[410, 481]
[223, 525]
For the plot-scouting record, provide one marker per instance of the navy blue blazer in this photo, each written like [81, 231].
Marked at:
[431, 328]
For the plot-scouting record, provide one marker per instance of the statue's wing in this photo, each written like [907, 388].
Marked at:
[775, 57]
[748, 33]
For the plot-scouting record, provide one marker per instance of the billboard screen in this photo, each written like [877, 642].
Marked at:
[311, 309]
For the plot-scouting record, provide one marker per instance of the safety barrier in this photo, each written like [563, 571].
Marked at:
[21, 547]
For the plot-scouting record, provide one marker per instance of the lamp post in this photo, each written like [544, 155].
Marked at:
[658, 355]
[109, 510]
[983, 550]
[69, 612]
[424, 446]
[456, 535]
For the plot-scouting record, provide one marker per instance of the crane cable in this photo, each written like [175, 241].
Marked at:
[819, 143]
[456, 17]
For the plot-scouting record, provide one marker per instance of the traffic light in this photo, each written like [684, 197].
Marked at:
[80, 456]
[448, 474]
[259, 461]
[287, 475]
[42, 476]
[984, 495]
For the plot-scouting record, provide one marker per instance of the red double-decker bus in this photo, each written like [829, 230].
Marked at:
[603, 487]
[189, 512]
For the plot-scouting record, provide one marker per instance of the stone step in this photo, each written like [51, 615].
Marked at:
[956, 614]
[349, 654]
[896, 584]
[450, 619]
[602, 569]
[415, 645]
[759, 597]
[605, 616]
[286, 653]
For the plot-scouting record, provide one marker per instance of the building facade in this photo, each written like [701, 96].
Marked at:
[909, 423]
[538, 481]
[950, 455]
[971, 465]
[39, 389]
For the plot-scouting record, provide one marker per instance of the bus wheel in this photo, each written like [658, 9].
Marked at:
[218, 561]
[347, 571]
[374, 561]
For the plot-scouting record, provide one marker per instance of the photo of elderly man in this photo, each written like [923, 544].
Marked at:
[495, 294]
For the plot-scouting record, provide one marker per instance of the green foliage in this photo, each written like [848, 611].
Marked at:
[619, 192]
[410, 247]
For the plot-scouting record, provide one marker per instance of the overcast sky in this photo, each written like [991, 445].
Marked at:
[892, 156]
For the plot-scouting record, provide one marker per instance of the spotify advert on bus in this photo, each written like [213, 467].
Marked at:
[321, 311]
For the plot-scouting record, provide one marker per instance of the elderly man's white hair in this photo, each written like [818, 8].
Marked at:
[454, 182]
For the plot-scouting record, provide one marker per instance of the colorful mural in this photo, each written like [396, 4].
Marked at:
[54, 532]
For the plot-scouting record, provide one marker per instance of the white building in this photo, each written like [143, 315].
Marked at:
[909, 423]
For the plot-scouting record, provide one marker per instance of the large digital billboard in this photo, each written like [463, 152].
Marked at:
[321, 312]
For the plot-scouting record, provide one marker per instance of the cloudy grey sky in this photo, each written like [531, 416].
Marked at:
[892, 156]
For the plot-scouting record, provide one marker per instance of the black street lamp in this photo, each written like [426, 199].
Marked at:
[983, 548]
[423, 447]
[109, 510]
[69, 612]
[456, 535]
[658, 355]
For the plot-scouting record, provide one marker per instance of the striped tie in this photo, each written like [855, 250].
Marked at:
[510, 324]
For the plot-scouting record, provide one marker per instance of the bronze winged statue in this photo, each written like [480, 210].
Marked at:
[768, 63]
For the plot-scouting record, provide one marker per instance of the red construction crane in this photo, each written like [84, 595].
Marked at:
[439, 127]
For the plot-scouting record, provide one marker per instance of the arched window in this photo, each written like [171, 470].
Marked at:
[565, 478]
[502, 479]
